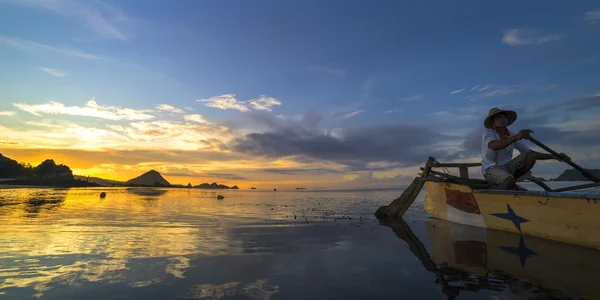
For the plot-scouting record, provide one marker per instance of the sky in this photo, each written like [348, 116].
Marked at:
[282, 94]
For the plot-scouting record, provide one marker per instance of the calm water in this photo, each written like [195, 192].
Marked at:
[179, 243]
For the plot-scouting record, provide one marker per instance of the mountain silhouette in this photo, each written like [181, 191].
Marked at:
[150, 178]
[576, 175]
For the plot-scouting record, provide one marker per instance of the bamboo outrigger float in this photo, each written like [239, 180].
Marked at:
[556, 214]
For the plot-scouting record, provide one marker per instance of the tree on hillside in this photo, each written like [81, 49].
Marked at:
[10, 168]
[49, 168]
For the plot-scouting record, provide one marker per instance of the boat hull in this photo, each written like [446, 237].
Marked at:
[567, 217]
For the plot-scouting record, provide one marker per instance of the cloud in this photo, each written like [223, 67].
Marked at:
[163, 134]
[155, 135]
[224, 176]
[263, 103]
[195, 118]
[105, 19]
[67, 136]
[352, 114]
[443, 113]
[224, 102]
[527, 36]
[393, 111]
[575, 104]
[480, 87]
[228, 101]
[400, 145]
[456, 116]
[480, 92]
[328, 71]
[303, 171]
[55, 72]
[412, 98]
[186, 172]
[290, 117]
[91, 109]
[368, 179]
[457, 91]
[580, 124]
[33, 46]
[169, 108]
[592, 16]
[7, 113]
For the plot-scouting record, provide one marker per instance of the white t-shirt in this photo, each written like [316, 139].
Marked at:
[504, 155]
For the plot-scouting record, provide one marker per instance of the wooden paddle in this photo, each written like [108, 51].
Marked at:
[583, 171]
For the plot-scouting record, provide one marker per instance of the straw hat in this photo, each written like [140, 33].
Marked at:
[512, 116]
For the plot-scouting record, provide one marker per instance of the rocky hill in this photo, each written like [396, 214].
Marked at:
[100, 181]
[48, 173]
[214, 185]
[575, 175]
[150, 178]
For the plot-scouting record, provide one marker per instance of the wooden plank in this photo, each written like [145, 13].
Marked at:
[472, 183]
[455, 165]
[577, 187]
[464, 172]
[462, 180]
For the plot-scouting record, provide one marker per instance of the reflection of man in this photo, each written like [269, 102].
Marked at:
[498, 165]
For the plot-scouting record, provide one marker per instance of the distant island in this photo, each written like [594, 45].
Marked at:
[48, 173]
[575, 175]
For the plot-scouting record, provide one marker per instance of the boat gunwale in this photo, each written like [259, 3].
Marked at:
[583, 195]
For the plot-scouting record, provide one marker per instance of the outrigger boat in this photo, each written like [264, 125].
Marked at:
[556, 214]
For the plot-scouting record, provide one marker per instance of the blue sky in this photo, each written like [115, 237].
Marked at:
[353, 67]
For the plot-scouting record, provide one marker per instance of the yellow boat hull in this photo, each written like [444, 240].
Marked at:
[567, 217]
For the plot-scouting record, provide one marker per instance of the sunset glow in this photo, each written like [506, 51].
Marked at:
[252, 104]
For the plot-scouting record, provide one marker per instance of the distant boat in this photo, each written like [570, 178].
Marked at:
[252, 188]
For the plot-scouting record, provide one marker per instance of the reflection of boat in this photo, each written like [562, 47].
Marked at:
[557, 214]
[468, 258]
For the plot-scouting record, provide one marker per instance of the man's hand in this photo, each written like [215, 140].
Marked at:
[524, 134]
[563, 157]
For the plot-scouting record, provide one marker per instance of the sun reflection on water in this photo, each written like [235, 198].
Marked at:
[141, 236]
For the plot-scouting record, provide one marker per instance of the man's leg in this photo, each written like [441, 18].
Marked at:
[521, 164]
[499, 175]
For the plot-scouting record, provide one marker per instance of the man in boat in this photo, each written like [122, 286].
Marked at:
[498, 166]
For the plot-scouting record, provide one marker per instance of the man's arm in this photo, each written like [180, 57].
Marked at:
[542, 156]
[501, 144]
[519, 145]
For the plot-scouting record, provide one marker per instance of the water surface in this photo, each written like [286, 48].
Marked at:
[184, 243]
